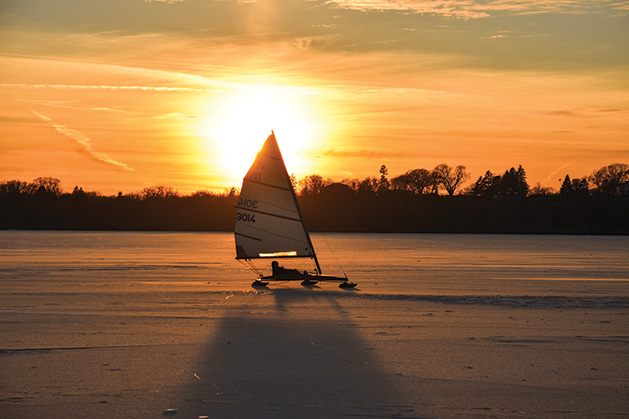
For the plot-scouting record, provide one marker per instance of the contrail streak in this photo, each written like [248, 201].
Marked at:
[558, 169]
[81, 139]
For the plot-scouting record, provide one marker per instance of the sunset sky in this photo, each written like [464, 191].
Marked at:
[120, 95]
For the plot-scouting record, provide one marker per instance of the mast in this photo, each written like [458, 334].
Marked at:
[303, 223]
[301, 217]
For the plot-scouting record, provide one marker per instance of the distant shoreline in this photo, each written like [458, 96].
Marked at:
[330, 211]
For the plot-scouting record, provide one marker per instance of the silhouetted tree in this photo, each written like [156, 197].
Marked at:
[539, 190]
[450, 178]
[78, 191]
[580, 187]
[513, 182]
[566, 187]
[522, 186]
[368, 186]
[417, 181]
[229, 192]
[352, 183]
[49, 185]
[611, 180]
[16, 187]
[158, 192]
[384, 182]
[484, 185]
[312, 185]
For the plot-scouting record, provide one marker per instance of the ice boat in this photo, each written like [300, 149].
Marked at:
[269, 223]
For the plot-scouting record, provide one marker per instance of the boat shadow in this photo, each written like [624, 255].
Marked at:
[298, 355]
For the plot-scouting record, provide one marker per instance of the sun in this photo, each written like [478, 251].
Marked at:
[237, 124]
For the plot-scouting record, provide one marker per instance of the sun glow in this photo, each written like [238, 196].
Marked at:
[237, 125]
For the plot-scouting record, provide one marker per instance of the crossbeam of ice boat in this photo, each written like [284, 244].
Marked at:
[305, 278]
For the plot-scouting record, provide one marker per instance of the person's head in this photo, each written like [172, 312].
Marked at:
[274, 264]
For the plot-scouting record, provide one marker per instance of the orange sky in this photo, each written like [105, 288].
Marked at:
[120, 96]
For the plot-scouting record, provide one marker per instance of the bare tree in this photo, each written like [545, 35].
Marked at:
[48, 184]
[417, 181]
[16, 186]
[539, 190]
[312, 185]
[611, 180]
[158, 192]
[450, 178]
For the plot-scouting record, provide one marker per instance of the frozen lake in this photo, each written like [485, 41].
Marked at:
[413, 264]
[135, 325]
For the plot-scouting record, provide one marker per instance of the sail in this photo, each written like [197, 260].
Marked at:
[268, 219]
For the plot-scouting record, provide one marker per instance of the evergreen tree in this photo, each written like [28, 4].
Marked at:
[522, 186]
[566, 187]
[384, 182]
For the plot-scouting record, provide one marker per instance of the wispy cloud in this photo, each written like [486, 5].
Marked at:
[108, 87]
[83, 140]
[449, 8]
[554, 172]
[175, 116]
[471, 9]
[64, 104]
[360, 153]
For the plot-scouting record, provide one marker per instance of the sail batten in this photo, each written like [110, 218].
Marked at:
[268, 218]
[269, 185]
[249, 237]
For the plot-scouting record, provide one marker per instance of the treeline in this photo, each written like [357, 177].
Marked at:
[595, 204]
[419, 200]
[42, 205]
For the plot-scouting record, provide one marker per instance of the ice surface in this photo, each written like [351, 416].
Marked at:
[142, 324]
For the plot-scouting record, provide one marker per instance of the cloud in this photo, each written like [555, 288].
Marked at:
[470, 9]
[558, 169]
[361, 153]
[564, 112]
[69, 105]
[108, 87]
[448, 8]
[175, 116]
[81, 139]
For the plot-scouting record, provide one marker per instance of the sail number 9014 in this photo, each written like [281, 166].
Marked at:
[247, 218]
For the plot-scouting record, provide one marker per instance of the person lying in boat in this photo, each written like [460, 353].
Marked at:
[282, 271]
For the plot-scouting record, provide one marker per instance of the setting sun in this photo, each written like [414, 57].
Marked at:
[235, 126]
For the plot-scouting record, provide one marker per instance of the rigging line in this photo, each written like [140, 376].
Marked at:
[333, 254]
[249, 265]
[315, 265]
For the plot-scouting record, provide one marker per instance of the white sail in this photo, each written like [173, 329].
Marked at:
[268, 219]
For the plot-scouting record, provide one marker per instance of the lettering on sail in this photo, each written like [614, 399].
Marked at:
[245, 217]
[247, 203]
